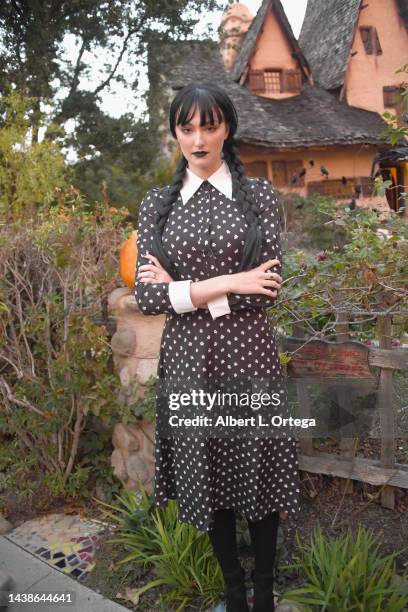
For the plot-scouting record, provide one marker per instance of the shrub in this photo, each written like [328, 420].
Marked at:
[347, 573]
[56, 271]
[364, 275]
[181, 556]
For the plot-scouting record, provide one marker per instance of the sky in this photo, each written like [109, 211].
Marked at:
[120, 101]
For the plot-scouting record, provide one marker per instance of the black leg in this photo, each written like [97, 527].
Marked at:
[264, 536]
[223, 538]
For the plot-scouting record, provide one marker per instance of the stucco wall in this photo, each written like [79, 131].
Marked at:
[350, 162]
[367, 74]
[273, 51]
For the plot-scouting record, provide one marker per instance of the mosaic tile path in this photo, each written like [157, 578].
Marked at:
[66, 542]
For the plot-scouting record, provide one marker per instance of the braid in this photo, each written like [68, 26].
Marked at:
[244, 196]
[161, 215]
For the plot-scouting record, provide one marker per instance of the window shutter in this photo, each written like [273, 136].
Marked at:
[291, 81]
[377, 45]
[367, 38]
[294, 166]
[389, 92]
[371, 41]
[279, 173]
[256, 168]
[256, 80]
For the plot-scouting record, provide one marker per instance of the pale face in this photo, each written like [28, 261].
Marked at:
[209, 138]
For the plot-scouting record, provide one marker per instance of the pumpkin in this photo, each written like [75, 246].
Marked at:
[128, 259]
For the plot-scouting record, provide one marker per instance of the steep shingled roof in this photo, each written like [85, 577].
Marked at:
[314, 117]
[252, 35]
[326, 38]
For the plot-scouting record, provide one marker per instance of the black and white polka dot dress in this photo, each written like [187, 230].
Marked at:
[204, 237]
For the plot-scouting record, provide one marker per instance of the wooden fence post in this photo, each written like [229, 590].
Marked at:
[386, 410]
[306, 444]
[346, 445]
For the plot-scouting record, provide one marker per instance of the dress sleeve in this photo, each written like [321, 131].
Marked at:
[157, 298]
[271, 245]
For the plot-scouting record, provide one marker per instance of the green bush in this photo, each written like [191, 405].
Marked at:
[31, 173]
[347, 573]
[363, 274]
[57, 384]
[181, 556]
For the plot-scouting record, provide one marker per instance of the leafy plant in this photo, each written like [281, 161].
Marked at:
[56, 270]
[181, 556]
[363, 275]
[141, 408]
[30, 172]
[347, 573]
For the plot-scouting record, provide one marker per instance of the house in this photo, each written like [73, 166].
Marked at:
[309, 109]
[354, 49]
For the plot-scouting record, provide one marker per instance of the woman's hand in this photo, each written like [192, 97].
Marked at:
[153, 272]
[258, 280]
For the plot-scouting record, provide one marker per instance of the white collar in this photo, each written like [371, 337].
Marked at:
[221, 179]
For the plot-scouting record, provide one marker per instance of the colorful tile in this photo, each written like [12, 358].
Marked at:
[64, 542]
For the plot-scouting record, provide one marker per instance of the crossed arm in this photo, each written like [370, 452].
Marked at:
[157, 293]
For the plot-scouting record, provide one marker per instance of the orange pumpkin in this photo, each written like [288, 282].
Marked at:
[128, 259]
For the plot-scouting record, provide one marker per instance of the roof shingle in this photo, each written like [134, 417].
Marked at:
[251, 37]
[313, 118]
[326, 38]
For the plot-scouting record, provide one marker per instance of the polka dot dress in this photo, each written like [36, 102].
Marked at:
[204, 237]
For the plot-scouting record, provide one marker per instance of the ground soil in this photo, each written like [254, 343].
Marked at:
[322, 502]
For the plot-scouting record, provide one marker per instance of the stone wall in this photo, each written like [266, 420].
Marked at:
[135, 345]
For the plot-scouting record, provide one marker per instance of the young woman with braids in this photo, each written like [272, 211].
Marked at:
[211, 241]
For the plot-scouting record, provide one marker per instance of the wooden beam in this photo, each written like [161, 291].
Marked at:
[364, 470]
[395, 359]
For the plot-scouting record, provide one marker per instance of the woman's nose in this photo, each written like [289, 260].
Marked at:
[199, 139]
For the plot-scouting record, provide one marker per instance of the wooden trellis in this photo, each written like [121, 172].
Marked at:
[344, 364]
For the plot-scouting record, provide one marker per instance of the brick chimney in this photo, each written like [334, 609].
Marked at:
[234, 25]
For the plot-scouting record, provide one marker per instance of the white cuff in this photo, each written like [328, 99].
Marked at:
[179, 296]
[219, 306]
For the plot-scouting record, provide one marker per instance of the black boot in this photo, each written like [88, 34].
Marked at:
[235, 591]
[263, 592]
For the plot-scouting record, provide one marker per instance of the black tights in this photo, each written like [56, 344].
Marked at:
[263, 537]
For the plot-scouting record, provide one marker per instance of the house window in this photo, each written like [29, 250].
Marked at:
[332, 187]
[371, 42]
[393, 98]
[275, 80]
[285, 173]
[256, 168]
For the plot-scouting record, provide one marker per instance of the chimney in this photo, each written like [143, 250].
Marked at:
[234, 25]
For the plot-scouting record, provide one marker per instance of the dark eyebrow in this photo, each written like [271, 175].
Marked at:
[208, 123]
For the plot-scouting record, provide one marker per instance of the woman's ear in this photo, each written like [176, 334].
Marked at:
[227, 130]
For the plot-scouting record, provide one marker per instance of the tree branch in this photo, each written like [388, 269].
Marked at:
[20, 402]
[106, 82]
[75, 78]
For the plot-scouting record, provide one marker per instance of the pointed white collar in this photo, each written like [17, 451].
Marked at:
[221, 179]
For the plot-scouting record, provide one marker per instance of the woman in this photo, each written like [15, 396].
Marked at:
[211, 240]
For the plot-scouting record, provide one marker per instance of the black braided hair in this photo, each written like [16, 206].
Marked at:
[208, 98]
[243, 193]
[165, 206]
